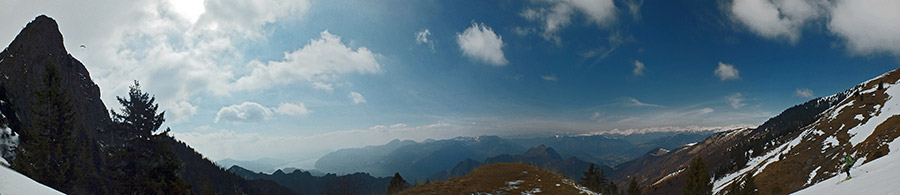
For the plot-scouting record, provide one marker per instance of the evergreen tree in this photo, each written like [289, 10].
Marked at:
[396, 185]
[697, 181]
[143, 163]
[592, 179]
[48, 148]
[633, 188]
[595, 180]
[138, 115]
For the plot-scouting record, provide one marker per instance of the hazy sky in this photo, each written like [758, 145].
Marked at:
[295, 79]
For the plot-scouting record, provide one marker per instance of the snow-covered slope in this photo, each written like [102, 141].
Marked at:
[864, 125]
[876, 177]
[13, 183]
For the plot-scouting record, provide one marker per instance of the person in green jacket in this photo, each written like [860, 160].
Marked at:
[848, 163]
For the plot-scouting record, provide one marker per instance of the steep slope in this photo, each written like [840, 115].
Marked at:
[206, 177]
[12, 182]
[800, 147]
[877, 177]
[861, 125]
[503, 178]
[302, 182]
[659, 171]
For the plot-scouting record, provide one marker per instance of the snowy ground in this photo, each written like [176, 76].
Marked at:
[13, 183]
[877, 177]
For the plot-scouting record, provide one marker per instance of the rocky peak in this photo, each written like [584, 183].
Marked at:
[41, 35]
[23, 65]
[542, 151]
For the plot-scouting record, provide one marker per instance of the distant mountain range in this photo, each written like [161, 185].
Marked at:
[303, 182]
[542, 156]
[418, 161]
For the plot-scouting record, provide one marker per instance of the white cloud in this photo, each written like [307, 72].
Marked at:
[322, 60]
[245, 112]
[804, 93]
[549, 77]
[735, 100]
[635, 102]
[180, 112]
[702, 111]
[422, 38]
[634, 7]
[638, 68]
[775, 19]
[356, 97]
[177, 49]
[727, 72]
[868, 26]
[292, 109]
[479, 42]
[245, 17]
[596, 116]
[398, 125]
[601, 12]
[559, 15]
[323, 86]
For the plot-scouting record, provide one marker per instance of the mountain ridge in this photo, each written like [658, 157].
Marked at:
[798, 148]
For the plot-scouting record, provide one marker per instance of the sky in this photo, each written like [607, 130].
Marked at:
[296, 79]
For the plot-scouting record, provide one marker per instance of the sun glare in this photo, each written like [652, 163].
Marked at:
[189, 9]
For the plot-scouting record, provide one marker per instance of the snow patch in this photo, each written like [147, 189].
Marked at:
[582, 189]
[8, 143]
[532, 191]
[12, 182]
[758, 163]
[891, 107]
[837, 110]
[831, 141]
[812, 175]
[668, 176]
[859, 117]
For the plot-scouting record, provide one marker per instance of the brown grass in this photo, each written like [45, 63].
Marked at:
[494, 179]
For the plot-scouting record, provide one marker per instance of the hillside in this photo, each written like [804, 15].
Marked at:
[502, 178]
[877, 177]
[798, 148]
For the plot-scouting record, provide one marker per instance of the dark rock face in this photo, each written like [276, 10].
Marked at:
[23, 65]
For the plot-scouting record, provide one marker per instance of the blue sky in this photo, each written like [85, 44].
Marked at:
[295, 79]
